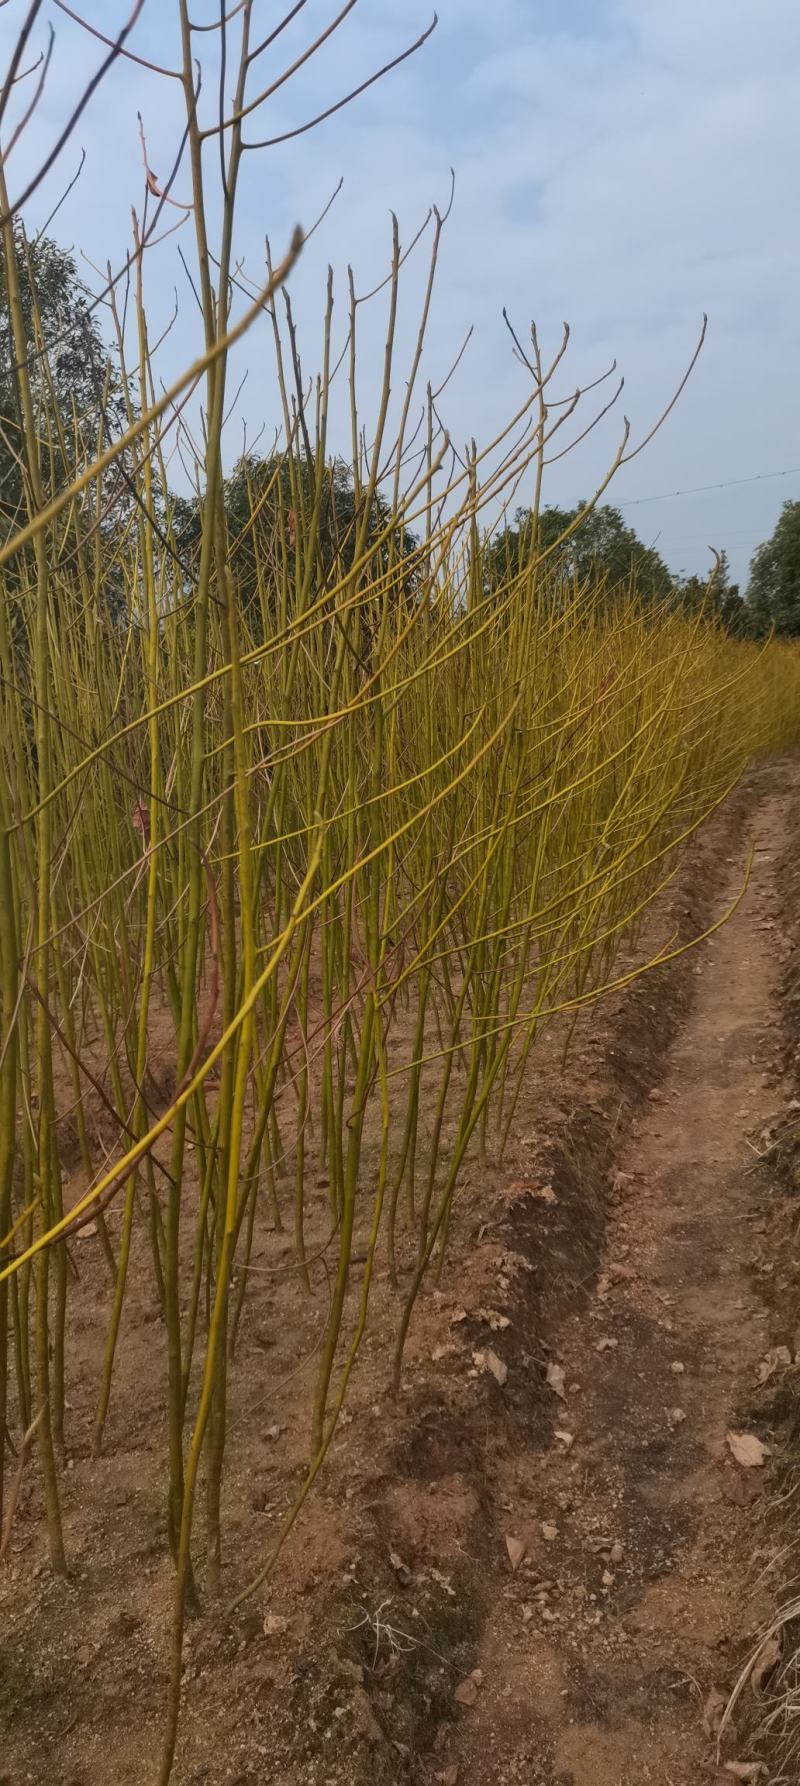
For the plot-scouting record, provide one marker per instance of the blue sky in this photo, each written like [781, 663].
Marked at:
[624, 164]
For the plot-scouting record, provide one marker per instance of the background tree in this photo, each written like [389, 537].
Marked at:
[773, 593]
[71, 379]
[719, 598]
[269, 512]
[603, 546]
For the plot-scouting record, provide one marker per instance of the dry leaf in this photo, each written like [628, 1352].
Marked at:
[516, 1548]
[467, 1691]
[621, 1274]
[556, 1380]
[606, 1344]
[564, 1438]
[275, 1625]
[745, 1770]
[458, 1315]
[768, 1655]
[748, 1451]
[400, 1568]
[713, 1712]
[527, 1614]
[739, 1489]
[449, 1777]
[365, 1718]
[546, 1194]
[780, 1355]
[498, 1369]
[493, 1319]
[676, 1416]
[617, 1551]
[549, 1531]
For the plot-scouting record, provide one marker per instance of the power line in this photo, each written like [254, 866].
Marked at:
[697, 489]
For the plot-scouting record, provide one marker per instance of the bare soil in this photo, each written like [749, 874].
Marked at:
[539, 1579]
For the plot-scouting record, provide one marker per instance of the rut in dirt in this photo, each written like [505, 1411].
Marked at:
[639, 1532]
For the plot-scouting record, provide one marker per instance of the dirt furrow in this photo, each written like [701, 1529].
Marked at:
[629, 1605]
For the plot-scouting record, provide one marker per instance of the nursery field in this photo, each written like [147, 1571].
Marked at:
[363, 867]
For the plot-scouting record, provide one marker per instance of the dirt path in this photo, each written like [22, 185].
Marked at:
[630, 1604]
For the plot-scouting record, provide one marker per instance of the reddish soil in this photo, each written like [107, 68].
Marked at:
[396, 1641]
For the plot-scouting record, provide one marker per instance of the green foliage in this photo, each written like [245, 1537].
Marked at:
[602, 547]
[773, 592]
[73, 390]
[720, 600]
[274, 508]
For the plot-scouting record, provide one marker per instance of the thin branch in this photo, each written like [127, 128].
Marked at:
[59, 202]
[172, 74]
[280, 81]
[270, 142]
[19, 51]
[673, 400]
[77, 112]
[37, 94]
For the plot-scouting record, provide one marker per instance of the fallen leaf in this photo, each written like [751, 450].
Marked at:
[745, 1770]
[617, 1551]
[516, 1548]
[713, 1712]
[275, 1625]
[780, 1355]
[608, 1578]
[458, 1315]
[676, 1416]
[621, 1274]
[449, 1777]
[400, 1568]
[747, 1450]
[549, 1531]
[546, 1194]
[493, 1319]
[739, 1489]
[768, 1655]
[556, 1380]
[606, 1344]
[467, 1691]
[527, 1614]
[677, 1368]
[564, 1438]
[365, 1718]
[498, 1369]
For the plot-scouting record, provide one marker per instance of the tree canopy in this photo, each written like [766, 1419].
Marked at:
[773, 593]
[719, 598]
[601, 546]
[69, 372]
[269, 503]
